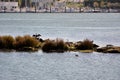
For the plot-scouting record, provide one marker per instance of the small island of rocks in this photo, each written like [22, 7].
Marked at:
[35, 42]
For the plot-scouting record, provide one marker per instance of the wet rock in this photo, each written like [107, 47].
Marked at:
[27, 49]
[95, 45]
[77, 55]
[113, 51]
[36, 35]
[109, 49]
[103, 49]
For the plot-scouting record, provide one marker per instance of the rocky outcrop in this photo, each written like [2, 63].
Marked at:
[109, 49]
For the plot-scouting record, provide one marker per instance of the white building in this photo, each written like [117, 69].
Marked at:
[8, 6]
[42, 3]
[54, 5]
[75, 0]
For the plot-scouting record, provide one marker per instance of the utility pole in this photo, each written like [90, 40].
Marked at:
[65, 5]
[80, 6]
[30, 4]
[0, 6]
[19, 4]
[4, 6]
[9, 9]
[26, 5]
[50, 6]
[35, 6]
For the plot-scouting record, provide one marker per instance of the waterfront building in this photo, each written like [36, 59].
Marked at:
[75, 0]
[54, 5]
[42, 4]
[8, 5]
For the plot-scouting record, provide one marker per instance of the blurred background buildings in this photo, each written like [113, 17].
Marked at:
[59, 5]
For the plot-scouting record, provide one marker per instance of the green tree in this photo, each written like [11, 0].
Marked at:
[109, 4]
[96, 4]
[19, 3]
[102, 4]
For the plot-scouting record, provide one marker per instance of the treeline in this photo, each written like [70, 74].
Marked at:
[24, 3]
[86, 3]
[112, 1]
[102, 3]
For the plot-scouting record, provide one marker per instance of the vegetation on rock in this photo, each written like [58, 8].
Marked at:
[57, 45]
[18, 43]
[85, 45]
[7, 42]
[33, 43]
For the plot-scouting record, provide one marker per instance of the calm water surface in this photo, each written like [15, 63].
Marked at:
[102, 28]
[63, 66]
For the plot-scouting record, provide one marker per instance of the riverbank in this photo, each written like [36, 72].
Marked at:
[33, 43]
[65, 10]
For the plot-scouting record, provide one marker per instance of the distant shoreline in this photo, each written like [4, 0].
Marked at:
[65, 11]
[60, 12]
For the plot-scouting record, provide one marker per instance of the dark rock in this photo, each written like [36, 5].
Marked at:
[109, 46]
[109, 49]
[113, 51]
[77, 55]
[95, 45]
[36, 35]
[41, 40]
[101, 50]
[27, 49]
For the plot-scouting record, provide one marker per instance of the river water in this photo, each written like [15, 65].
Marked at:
[103, 28]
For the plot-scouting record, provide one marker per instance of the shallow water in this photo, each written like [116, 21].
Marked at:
[101, 27]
